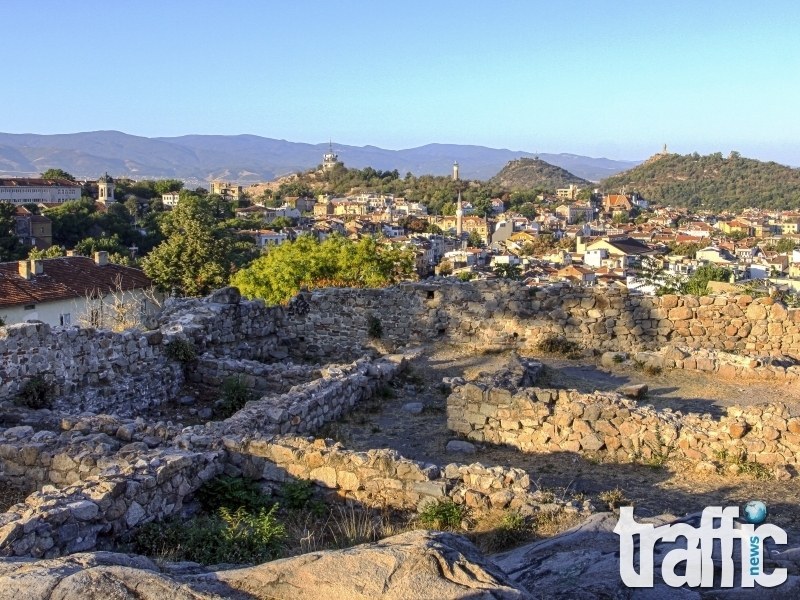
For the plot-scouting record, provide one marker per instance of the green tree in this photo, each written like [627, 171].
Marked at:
[57, 174]
[10, 246]
[508, 271]
[475, 240]
[72, 221]
[51, 252]
[279, 275]
[281, 222]
[165, 186]
[198, 253]
[697, 284]
[786, 245]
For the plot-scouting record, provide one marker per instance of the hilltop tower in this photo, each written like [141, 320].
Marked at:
[105, 189]
[330, 158]
[459, 208]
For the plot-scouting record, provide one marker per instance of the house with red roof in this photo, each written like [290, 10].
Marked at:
[73, 290]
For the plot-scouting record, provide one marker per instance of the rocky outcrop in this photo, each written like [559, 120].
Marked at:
[583, 564]
[415, 565]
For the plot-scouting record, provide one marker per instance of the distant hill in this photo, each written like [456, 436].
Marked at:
[251, 158]
[714, 182]
[530, 173]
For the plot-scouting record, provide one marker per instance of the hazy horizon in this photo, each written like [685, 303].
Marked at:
[599, 79]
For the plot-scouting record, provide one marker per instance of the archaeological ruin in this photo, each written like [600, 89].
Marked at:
[102, 459]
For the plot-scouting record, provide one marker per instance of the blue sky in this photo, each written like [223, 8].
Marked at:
[601, 78]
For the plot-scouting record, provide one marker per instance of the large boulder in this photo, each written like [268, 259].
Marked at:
[418, 564]
[583, 564]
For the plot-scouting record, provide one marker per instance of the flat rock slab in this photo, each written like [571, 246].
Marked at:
[413, 408]
[460, 446]
[414, 565]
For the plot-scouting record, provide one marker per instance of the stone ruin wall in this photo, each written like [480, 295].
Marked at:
[506, 314]
[547, 420]
[100, 371]
[110, 473]
[106, 475]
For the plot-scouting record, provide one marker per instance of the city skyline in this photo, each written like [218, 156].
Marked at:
[592, 78]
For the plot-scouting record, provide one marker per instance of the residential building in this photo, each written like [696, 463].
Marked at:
[228, 191]
[575, 212]
[265, 237]
[23, 190]
[70, 290]
[171, 199]
[569, 192]
[32, 229]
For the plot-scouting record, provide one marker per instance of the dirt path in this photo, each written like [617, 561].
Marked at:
[675, 488]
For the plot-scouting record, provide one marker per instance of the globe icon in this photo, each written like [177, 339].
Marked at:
[755, 512]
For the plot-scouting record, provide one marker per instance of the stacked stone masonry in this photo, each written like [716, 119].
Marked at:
[100, 371]
[546, 420]
[101, 475]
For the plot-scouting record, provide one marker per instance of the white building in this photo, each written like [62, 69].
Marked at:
[23, 190]
[171, 199]
[71, 290]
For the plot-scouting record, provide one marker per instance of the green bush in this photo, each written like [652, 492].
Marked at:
[232, 493]
[36, 393]
[181, 350]
[444, 514]
[299, 495]
[229, 536]
[235, 395]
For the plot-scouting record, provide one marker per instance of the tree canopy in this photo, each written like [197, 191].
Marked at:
[337, 261]
[714, 182]
[197, 254]
[57, 174]
[10, 246]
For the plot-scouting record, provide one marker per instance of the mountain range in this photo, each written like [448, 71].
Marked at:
[251, 158]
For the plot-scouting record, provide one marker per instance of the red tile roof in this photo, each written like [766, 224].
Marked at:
[65, 278]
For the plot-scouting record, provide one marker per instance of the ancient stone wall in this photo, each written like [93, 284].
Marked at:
[88, 369]
[148, 486]
[506, 314]
[102, 371]
[383, 478]
[546, 420]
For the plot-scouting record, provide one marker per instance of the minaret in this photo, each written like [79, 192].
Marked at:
[459, 208]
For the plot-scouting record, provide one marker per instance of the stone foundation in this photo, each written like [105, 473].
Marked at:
[548, 420]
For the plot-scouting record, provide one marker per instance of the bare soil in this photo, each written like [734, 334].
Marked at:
[674, 488]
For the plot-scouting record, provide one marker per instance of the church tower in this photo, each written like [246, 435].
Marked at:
[105, 189]
[459, 208]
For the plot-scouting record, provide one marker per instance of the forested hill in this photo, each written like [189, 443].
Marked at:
[533, 173]
[712, 181]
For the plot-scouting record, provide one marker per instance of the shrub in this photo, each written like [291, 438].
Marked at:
[36, 393]
[235, 395]
[229, 536]
[232, 493]
[555, 344]
[181, 350]
[613, 498]
[299, 495]
[374, 327]
[444, 514]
